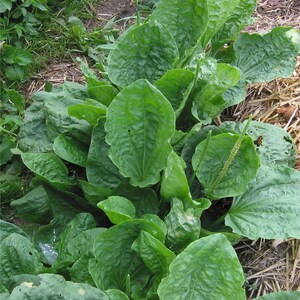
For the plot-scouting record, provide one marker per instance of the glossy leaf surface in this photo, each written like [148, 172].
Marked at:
[140, 122]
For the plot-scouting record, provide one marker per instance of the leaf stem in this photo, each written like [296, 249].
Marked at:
[138, 15]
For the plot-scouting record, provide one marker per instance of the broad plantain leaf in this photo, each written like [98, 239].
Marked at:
[33, 206]
[219, 11]
[7, 229]
[115, 260]
[99, 168]
[140, 123]
[49, 168]
[155, 255]
[239, 18]
[55, 287]
[18, 256]
[270, 208]
[266, 57]
[176, 85]
[144, 200]
[118, 209]
[206, 267]
[186, 20]
[273, 144]
[145, 52]
[174, 182]
[70, 149]
[208, 95]
[225, 164]
[116, 295]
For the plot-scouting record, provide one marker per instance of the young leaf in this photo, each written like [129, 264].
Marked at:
[155, 255]
[219, 11]
[186, 20]
[140, 123]
[273, 144]
[266, 57]
[53, 286]
[118, 209]
[18, 256]
[208, 95]
[101, 172]
[48, 167]
[183, 226]
[207, 267]
[174, 182]
[33, 206]
[71, 150]
[226, 165]
[176, 85]
[270, 208]
[145, 52]
[115, 260]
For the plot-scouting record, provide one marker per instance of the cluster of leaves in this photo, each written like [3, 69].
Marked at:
[131, 173]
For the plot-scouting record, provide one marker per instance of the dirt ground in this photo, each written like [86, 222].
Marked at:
[268, 265]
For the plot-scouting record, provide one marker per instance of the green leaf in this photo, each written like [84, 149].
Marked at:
[48, 167]
[266, 57]
[101, 172]
[115, 260]
[208, 95]
[6, 5]
[226, 165]
[239, 18]
[280, 296]
[14, 55]
[93, 193]
[53, 286]
[79, 271]
[71, 150]
[176, 85]
[219, 12]
[86, 112]
[80, 223]
[174, 182]
[5, 146]
[155, 255]
[18, 256]
[270, 208]
[118, 209]
[208, 266]
[33, 133]
[17, 99]
[33, 206]
[144, 200]
[183, 226]
[186, 20]
[7, 229]
[140, 123]
[101, 91]
[273, 144]
[145, 52]
[116, 295]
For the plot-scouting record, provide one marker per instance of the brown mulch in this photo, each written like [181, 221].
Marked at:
[268, 265]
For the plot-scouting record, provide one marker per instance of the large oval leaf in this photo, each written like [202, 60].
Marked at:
[48, 167]
[270, 208]
[280, 296]
[207, 269]
[264, 58]
[140, 122]
[186, 20]
[147, 51]
[225, 165]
